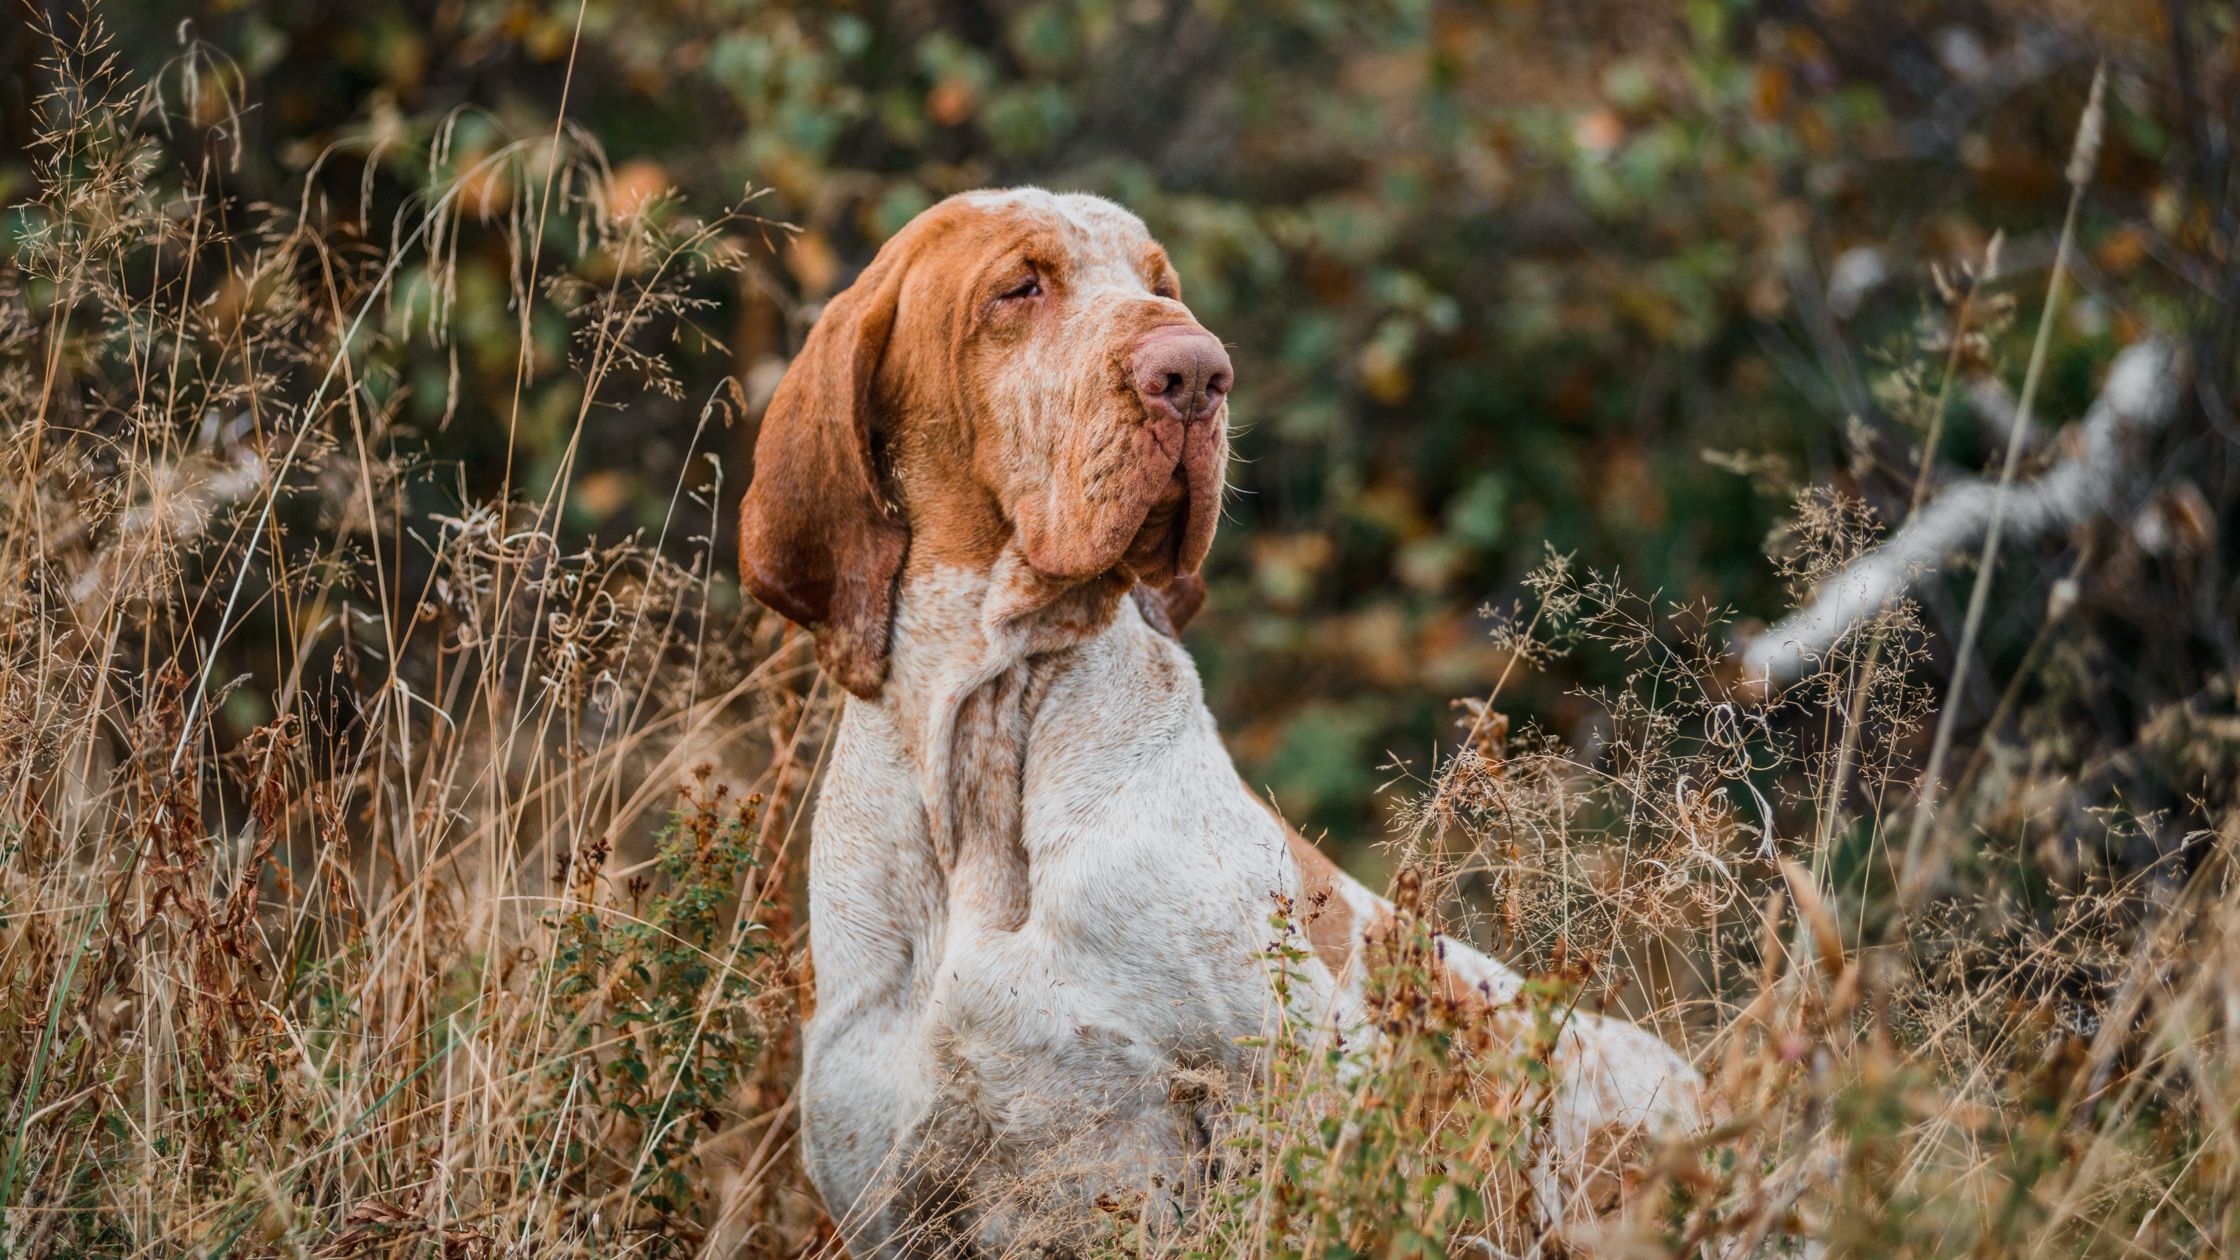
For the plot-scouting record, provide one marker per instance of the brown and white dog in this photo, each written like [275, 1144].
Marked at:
[1039, 892]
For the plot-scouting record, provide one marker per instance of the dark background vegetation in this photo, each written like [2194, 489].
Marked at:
[1617, 278]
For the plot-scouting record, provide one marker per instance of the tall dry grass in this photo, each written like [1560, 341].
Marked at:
[384, 873]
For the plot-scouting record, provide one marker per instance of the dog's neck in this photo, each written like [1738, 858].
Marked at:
[972, 652]
[956, 628]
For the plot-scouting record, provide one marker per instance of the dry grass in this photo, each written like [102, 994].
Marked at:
[339, 913]
[380, 876]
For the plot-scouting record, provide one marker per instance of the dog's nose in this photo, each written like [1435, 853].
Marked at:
[1181, 371]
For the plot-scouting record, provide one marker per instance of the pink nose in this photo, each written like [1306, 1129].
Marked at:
[1181, 371]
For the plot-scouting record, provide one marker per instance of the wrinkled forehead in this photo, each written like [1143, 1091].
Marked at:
[1094, 234]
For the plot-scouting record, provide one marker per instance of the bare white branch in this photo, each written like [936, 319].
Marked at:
[1995, 405]
[2102, 474]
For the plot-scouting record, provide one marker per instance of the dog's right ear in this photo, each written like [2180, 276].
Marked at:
[818, 540]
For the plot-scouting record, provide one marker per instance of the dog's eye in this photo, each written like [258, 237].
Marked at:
[1163, 289]
[1031, 287]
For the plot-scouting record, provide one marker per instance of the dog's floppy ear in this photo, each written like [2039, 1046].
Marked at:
[1169, 608]
[818, 541]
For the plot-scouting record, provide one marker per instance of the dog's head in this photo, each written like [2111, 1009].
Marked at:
[1013, 369]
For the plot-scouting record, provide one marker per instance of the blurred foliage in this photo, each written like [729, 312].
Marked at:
[1494, 273]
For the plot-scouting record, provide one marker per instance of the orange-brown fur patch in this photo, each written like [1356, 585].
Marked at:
[1323, 913]
[1331, 930]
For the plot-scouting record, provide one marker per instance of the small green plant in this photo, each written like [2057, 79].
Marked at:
[651, 1006]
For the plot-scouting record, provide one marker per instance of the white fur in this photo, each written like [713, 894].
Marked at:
[1075, 1048]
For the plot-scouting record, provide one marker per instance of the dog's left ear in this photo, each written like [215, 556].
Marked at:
[817, 540]
[1169, 608]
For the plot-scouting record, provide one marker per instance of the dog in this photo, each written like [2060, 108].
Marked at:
[1039, 892]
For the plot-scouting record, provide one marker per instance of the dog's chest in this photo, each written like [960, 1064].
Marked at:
[1149, 874]
[1070, 997]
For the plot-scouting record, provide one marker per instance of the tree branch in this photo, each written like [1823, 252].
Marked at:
[2103, 474]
